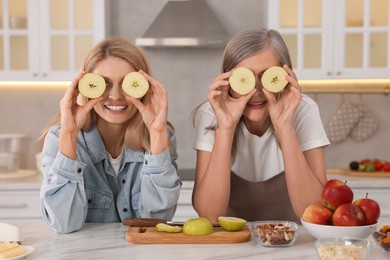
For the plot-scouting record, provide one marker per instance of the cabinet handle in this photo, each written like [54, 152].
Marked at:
[338, 73]
[329, 73]
[14, 206]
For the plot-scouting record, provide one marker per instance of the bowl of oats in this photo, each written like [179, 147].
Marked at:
[342, 248]
[275, 233]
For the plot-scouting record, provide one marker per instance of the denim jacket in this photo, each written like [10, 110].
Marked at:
[88, 190]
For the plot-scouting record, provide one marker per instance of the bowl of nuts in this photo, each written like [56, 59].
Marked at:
[382, 238]
[275, 233]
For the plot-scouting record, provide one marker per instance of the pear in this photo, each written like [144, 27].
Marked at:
[135, 84]
[92, 85]
[274, 79]
[242, 80]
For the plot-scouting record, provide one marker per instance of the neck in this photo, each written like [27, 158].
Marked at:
[257, 127]
[113, 136]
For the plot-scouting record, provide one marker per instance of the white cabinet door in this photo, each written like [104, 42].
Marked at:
[19, 204]
[334, 38]
[48, 39]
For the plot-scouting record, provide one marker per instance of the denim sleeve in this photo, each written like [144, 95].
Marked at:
[160, 184]
[63, 200]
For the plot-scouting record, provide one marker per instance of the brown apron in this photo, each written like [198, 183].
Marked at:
[264, 200]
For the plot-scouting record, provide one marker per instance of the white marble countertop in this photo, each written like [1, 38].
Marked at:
[107, 241]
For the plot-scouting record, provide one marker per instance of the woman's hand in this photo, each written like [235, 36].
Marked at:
[73, 118]
[155, 111]
[228, 110]
[282, 106]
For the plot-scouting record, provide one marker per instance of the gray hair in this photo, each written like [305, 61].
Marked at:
[248, 43]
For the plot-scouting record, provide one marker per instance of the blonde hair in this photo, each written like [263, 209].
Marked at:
[137, 135]
[244, 45]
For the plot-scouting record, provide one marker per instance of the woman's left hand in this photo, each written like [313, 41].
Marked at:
[155, 111]
[282, 106]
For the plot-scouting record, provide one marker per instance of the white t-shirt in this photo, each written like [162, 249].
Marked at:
[259, 158]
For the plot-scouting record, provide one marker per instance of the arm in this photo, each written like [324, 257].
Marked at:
[305, 171]
[160, 184]
[212, 179]
[62, 192]
[63, 201]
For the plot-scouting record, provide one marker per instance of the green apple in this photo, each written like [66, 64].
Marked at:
[92, 85]
[135, 84]
[274, 79]
[242, 80]
[198, 227]
[231, 223]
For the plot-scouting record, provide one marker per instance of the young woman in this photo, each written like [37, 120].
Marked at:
[261, 155]
[113, 157]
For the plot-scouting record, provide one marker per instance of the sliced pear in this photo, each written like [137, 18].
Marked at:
[242, 80]
[162, 227]
[231, 223]
[135, 84]
[92, 85]
[274, 79]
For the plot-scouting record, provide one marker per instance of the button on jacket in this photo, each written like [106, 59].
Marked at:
[88, 190]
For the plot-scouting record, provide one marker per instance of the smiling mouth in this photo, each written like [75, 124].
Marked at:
[259, 103]
[116, 108]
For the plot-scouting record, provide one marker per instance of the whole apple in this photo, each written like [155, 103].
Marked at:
[348, 214]
[317, 214]
[335, 193]
[370, 208]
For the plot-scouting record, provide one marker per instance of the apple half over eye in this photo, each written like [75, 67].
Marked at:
[92, 85]
[135, 85]
[242, 80]
[274, 79]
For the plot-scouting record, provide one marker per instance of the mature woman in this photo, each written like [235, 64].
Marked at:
[260, 155]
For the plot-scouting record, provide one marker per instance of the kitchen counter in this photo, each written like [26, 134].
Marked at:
[107, 241]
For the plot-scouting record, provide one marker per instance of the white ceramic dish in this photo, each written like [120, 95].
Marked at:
[30, 249]
[327, 231]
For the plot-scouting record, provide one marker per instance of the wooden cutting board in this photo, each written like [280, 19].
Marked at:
[149, 235]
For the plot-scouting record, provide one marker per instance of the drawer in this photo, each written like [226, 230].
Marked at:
[20, 204]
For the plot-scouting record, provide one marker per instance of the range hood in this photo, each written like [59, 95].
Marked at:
[185, 24]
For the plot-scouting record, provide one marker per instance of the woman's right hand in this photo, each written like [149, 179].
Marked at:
[73, 118]
[227, 110]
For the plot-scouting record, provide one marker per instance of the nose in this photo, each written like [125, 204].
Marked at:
[115, 92]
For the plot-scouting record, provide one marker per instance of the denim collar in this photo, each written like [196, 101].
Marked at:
[97, 150]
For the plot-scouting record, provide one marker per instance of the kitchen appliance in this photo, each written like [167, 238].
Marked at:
[10, 145]
[185, 24]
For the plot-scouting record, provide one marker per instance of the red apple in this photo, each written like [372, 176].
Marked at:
[371, 210]
[348, 214]
[335, 193]
[317, 214]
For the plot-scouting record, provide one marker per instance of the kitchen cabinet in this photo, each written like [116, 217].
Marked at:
[334, 39]
[48, 39]
[184, 208]
[20, 198]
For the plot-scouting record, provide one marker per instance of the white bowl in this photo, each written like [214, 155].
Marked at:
[327, 231]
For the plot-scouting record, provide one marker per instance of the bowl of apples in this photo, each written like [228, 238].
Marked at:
[339, 215]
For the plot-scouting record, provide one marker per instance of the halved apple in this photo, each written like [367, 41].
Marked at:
[92, 85]
[231, 223]
[274, 79]
[135, 84]
[242, 80]
[162, 227]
